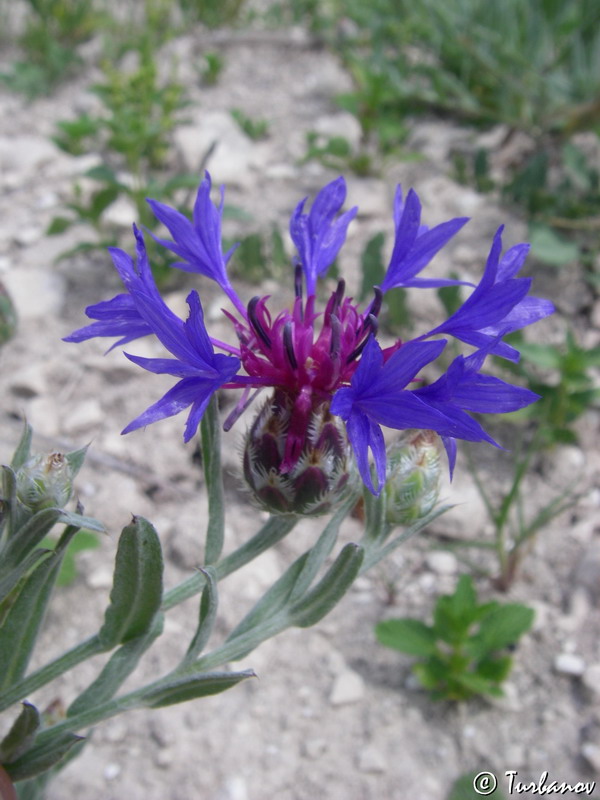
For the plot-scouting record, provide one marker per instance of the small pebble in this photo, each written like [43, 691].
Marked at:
[112, 771]
[348, 687]
[371, 760]
[569, 664]
[591, 753]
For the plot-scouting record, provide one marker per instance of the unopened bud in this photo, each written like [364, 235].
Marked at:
[413, 477]
[45, 481]
[322, 476]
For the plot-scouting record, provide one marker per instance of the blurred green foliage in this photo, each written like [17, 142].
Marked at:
[463, 653]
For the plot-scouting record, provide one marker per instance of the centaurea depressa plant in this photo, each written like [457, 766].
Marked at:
[315, 445]
[323, 367]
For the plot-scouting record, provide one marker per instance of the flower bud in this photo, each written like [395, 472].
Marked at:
[321, 477]
[45, 481]
[413, 477]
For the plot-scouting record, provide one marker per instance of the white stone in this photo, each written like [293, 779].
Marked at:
[441, 562]
[28, 382]
[349, 687]
[25, 153]
[569, 664]
[112, 771]
[591, 753]
[84, 415]
[234, 156]
[122, 213]
[343, 125]
[35, 292]
[29, 235]
[591, 679]
[101, 578]
[164, 758]
[371, 760]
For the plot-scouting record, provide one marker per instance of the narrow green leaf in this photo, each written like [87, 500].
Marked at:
[42, 757]
[81, 521]
[330, 589]
[210, 433]
[208, 611]
[407, 635]
[320, 551]
[28, 537]
[192, 687]
[21, 734]
[22, 620]
[12, 577]
[116, 670]
[137, 585]
[374, 556]
[273, 601]
[23, 451]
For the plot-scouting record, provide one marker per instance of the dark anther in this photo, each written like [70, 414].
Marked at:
[289, 344]
[370, 322]
[376, 304]
[336, 332]
[335, 300]
[254, 321]
[374, 309]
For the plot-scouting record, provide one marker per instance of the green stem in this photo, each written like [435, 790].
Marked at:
[271, 532]
[81, 652]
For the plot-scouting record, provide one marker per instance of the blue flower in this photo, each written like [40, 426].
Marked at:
[415, 245]
[498, 305]
[318, 235]
[198, 243]
[143, 311]
[462, 388]
[317, 363]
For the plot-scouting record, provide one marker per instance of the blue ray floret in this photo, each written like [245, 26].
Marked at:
[320, 364]
[415, 245]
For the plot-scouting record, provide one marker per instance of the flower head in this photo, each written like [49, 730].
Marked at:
[333, 385]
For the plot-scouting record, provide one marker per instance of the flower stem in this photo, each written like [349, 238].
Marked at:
[81, 652]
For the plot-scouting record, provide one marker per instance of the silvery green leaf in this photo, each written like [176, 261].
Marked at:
[137, 585]
[21, 734]
[180, 690]
[41, 757]
[330, 589]
[23, 450]
[119, 667]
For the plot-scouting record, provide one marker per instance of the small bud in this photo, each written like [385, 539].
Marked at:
[45, 481]
[322, 476]
[413, 477]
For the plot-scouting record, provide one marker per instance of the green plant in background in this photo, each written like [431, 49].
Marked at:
[395, 313]
[53, 31]
[254, 128]
[335, 152]
[212, 13]
[133, 134]
[534, 66]
[260, 256]
[463, 652]
[562, 376]
[211, 68]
